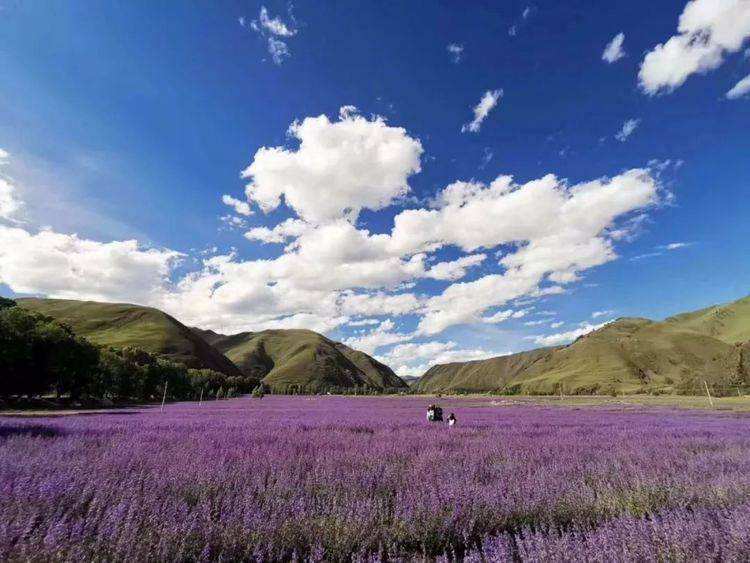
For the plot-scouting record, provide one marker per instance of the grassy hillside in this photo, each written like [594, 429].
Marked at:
[302, 357]
[375, 373]
[121, 325]
[729, 322]
[479, 375]
[626, 356]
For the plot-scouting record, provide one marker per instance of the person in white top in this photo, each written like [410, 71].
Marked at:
[452, 420]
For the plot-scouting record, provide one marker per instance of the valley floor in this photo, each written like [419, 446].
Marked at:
[731, 403]
[314, 478]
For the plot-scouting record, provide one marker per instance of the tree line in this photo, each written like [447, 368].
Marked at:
[40, 356]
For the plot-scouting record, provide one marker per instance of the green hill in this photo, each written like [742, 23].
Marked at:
[122, 325]
[729, 322]
[626, 356]
[304, 358]
[479, 375]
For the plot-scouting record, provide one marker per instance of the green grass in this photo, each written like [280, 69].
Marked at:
[729, 323]
[626, 356]
[696, 402]
[281, 357]
[304, 358]
[122, 325]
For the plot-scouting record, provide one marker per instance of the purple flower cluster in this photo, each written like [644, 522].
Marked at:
[703, 534]
[368, 479]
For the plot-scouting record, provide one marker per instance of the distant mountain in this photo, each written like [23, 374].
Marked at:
[479, 375]
[302, 357]
[410, 380]
[626, 356]
[279, 357]
[377, 374]
[121, 325]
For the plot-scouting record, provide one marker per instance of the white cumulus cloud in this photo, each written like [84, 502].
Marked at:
[241, 207]
[557, 231]
[289, 228]
[382, 335]
[455, 269]
[378, 303]
[707, 30]
[416, 358]
[67, 266]
[10, 204]
[543, 234]
[340, 167]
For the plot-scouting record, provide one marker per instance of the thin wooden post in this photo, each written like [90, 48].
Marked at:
[710, 400]
[738, 392]
[200, 401]
[164, 398]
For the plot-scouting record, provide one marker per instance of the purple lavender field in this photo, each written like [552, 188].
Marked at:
[368, 479]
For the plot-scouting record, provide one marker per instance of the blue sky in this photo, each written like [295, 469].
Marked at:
[124, 124]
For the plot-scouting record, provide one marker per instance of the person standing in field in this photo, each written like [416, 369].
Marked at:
[434, 413]
[452, 420]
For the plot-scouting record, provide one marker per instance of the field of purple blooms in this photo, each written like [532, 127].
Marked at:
[368, 479]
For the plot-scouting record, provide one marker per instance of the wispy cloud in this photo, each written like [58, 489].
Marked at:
[275, 26]
[278, 50]
[628, 128]
[528, 11]
[597, 314]
[675, 245]
[482, 110]
[486, 158]
[739, 89]
[646, 255]
[275, 31]
[660, 249]
[568, 336]
[456, 51]
[613, 52]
